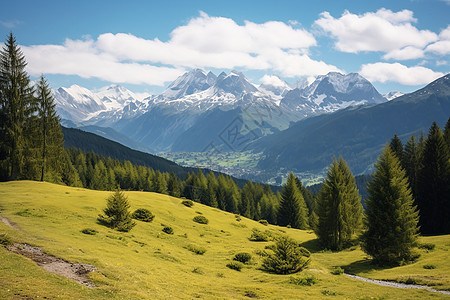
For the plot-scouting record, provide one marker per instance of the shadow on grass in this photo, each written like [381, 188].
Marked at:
[313, 246]
[363, 266]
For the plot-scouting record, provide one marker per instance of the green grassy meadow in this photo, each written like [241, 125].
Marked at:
[147, 263]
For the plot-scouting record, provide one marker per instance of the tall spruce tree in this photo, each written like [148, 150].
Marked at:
[411, 163]
[293, 210]
[16, 106]
[434, 184]
[447, 133]
[50, 134]
[339, 209]
[391, 217]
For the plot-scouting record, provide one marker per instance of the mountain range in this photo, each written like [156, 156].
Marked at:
[200, 110]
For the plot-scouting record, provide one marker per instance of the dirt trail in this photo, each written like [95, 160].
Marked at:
[9, 223]
[396, 284]
[52, 264]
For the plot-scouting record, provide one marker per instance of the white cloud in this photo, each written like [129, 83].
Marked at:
[383, 30]
[441, 47]
[409, 52]
[83, 59]
[396, 72]
[10, 24]
[204, 42]
[273, 80]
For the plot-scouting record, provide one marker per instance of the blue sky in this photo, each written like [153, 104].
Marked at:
[144, 45]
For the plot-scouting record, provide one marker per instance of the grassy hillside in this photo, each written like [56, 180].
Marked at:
[148, 263]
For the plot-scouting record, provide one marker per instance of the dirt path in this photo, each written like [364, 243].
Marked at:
[396, 284]
[52, 264]
[9, 223]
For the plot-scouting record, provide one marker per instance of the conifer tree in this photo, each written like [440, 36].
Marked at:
[391, 217]
[173, 186]
[339, 209]
[16, 106]
[411, 163]
[447, 133]
[116, 214]
[397, 147]
[50, 133]
[293, 210]
[434, 184]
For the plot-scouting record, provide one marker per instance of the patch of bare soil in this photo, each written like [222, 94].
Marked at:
[54, 264]
[9, 223]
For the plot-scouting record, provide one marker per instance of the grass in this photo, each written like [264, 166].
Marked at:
[146, 263]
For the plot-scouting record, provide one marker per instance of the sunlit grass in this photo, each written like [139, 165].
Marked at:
[148, 263]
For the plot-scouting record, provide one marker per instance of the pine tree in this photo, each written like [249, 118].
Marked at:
[50, 133]
[173, 186]
[339, 209]
[434, 184]
[411, 163]
[447, 133]
[116, 214]
[391, 217]
[16, 106]
[293, 210]
[397, 147]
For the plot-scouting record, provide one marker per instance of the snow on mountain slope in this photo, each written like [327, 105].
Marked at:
[392, 95]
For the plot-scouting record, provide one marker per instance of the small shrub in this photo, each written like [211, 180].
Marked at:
[168, 230]
[287, 257]
[264, 222]
[187, 203]
[116, 214]
[429, 267]
[199, 212]
[259, 236]
[237, 217]
[196, 249]
[328, 293]
[307, 281]
[143, 215]
[235, 265]
[337, 271]
[200, 219]
[5, 240]
[197, 270]
[427, 246]
[243, 257]
[89, 231]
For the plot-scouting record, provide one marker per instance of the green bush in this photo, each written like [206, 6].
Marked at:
[196, 249]
[427, 246]
[259, 236]
[307, 281]
[429, 267]
[143, 214]
[237, 217]
[235, 265]
[200, 219]
[89, 231]
[243, 257]
[5, 240]
[168, 229]
[286, 258]
[188, 203]
[337, 271]
[264, 222]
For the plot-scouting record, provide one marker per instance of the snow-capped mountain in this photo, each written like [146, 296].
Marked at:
[203, 102]
[331, 92]
[77, 103]
[274, 86]
[392, 95]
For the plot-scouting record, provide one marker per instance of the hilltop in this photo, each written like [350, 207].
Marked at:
[148, 263]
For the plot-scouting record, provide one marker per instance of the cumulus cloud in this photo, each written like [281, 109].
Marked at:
[82, 58]
[441, 47]
[383, 30]
[396, 72]
[204, 42]
[406, 53]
